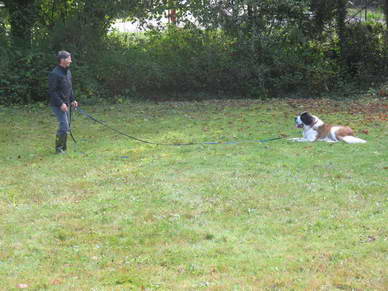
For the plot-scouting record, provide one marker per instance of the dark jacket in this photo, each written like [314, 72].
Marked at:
[60, 87]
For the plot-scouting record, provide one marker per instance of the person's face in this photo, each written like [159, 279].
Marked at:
[66, 62]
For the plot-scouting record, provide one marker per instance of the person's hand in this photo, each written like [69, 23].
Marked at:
[74, 104]
[64, 107]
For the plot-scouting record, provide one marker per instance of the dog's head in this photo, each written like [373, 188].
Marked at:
[304, 119]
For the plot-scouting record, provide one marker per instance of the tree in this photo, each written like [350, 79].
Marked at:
[91, 18]
[341, 25]
[22, 14]
[386, 11]
[323, 13]
[386, 23]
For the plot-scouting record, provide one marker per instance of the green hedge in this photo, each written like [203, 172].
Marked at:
[193, 62]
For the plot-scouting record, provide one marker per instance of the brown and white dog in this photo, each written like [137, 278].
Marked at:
[315, 129]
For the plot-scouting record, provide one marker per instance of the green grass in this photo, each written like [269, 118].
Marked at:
[115, 214]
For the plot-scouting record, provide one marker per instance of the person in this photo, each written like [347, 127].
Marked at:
[61, 94]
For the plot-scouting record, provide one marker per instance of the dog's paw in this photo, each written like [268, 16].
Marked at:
[294, 139]
[297, 139]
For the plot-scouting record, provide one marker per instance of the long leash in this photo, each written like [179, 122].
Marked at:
[87, 115]
[70, 131]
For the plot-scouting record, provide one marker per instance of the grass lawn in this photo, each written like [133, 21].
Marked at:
[115, 214]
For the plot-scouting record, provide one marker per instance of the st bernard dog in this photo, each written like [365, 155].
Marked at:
[315, 129]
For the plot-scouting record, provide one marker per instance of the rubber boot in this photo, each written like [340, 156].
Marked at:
[60, 143]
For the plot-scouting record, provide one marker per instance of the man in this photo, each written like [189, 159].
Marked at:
[61, 98]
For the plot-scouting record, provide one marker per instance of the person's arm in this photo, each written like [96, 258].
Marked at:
[71, 97]
[72, 100]
[52, 90]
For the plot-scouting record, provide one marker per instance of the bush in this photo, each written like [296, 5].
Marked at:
[192, 62]
[185, 61]
[24, 78]
[175, 61]
[364, 51]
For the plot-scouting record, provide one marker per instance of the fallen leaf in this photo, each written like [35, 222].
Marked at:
[365, 131]
[56, 282]
[383, 92]
[371, 238]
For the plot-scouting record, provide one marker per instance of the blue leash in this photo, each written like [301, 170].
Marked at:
[87, 115]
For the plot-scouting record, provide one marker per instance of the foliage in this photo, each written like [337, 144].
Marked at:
[364, 51]
[185, 61]
[178, 60]
[24, 78]
[22, 16]
[242, 48]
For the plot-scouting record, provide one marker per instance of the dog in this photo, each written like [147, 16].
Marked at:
[314, 129]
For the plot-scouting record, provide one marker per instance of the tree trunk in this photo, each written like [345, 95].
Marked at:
[253, 21]
[386, 23]
[22, 18]
[250, 17]
[323, 13]
[386, 12]
[94, 21]
[386, 34]
[341, 25]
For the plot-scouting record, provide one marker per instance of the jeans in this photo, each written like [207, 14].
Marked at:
[63, 120]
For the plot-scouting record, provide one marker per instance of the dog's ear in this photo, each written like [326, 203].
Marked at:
[307, 118]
